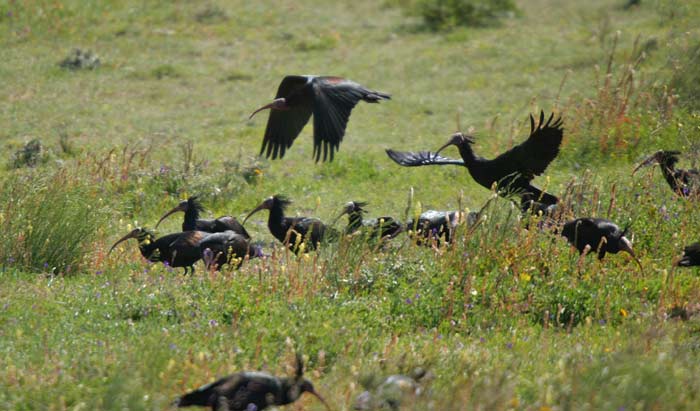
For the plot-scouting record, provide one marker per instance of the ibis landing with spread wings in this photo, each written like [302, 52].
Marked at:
[511, 171]
[329, 99]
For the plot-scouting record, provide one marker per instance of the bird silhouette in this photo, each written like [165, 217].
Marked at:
[685, 183]
[192, 208]
[329, 99]
[250, 390]
[512, 171]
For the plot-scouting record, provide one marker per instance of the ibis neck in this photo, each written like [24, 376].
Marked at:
[275, 223]
[467, 154]
[354, 221]
[147, 246]
[668, 169]
[190, 221]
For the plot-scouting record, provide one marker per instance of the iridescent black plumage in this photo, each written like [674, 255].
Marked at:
[685, 183]
[384, 227]
[175, 250]
[329, 99]
[292, 231]
[511, 171]
[227, 247]
[250, 390]
[691, 256]
[192, 208]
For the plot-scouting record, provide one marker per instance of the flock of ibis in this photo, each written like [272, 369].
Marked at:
[330, 100]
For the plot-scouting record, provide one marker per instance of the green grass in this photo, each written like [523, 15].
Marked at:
[504, 319]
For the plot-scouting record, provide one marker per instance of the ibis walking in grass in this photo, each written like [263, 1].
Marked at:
[685, 183]
[250, 391]
[292, 231]
[329, 99]
[598, 235]
[512, 171]
[383, 227]
[227, 247]
[438, 225]
[175, 250]
[192, 208]
[691, 256]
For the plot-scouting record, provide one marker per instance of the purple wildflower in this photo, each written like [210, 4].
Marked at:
[172, 346]
[98, 272]
[509, 346]
[213, 323]
[409, 301]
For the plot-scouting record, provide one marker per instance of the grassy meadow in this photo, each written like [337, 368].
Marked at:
[504, 319]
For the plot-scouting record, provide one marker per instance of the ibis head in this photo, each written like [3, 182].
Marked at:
[277, 104]
[457, 139]
[668, 158]
[137, 232]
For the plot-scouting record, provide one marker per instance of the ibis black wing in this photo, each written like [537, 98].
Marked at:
[533, 156]
[226, 223]
[334, 99]
[283, 126]
[421, 158]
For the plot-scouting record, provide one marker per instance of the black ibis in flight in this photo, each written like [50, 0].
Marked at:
[175, 250]
[685, 183]
[329, 99]
[192, 208]
[391, 393]
[598, 235]
[691, 256]
[512, 171]
[292, 231]
[250, 391]
[227, 247]
[384, 227]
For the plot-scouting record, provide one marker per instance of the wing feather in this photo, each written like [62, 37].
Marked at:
[283, 126]
[532, 157]
[421, 158]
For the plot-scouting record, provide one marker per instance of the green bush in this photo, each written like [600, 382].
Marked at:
[47, 224]
[447, 14]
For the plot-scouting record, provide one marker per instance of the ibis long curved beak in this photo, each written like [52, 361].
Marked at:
[132, 234]
[317, 395]
[262, 206]
[647, 162]
[449, 143]
[626, 246]
[277, 104]
[166, 215]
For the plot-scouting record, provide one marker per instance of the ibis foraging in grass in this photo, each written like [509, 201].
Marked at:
[192, 208]
[598, 235]
[292, 231]
[175, 250]
[391, 393]
[227, 247]
[329, 99]
[384, 227]
[685, 183]
[251, 391]
[436, 225]
[691, 256]
[512, 171]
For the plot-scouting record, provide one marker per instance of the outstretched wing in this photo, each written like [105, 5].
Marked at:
[283, 126]
[334, 98]
[421, 158]
[533, 156]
